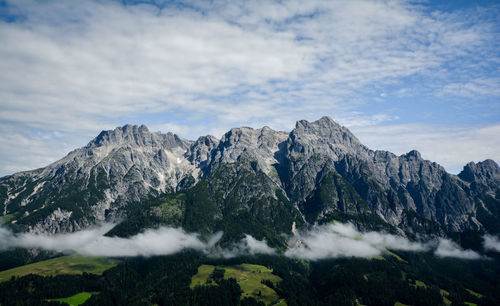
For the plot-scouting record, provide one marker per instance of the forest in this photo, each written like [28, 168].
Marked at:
[405, 277]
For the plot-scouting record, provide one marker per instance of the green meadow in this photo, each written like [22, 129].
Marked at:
[445, 294]
[248, 276]
[71, 264]
[478, 295]
[76, 299]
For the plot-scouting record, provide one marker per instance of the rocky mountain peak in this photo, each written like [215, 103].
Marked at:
[327, 129]
[413, 155]
[489, 166]
[120, 135]
[324, 137]
[235, 135]
[324, 124]
[138, 136]
[487, 172]
[320, 167]
[258, 144]
[200, 152]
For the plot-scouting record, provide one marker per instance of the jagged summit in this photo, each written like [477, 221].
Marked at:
[262, 144]
[140, 135]
[413, 154]
[137, 136]
[328, 129]
[485, 174]
[325, 121]
[324, 137]
[316, 172]
[324, 126]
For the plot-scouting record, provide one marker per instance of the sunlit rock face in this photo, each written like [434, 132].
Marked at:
[316, 173]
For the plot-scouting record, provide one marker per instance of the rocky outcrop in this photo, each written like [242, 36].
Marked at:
[320, 168]
[261, 145]
[484, 177]
[118, 167]
[390, 185]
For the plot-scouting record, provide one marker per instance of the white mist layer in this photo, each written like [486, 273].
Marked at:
[247, 246]
[344, 240]
[448, 248]
[328, 241]
[92, 242]
[491, 243]
[162, 241]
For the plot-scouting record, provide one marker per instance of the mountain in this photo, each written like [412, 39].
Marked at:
[256, 181]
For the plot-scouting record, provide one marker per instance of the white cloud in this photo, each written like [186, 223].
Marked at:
[257, 246]
[344, 240]
[161, 241]
[79, 67]
[28, 148]
[491, 243]
[328, 241]
[247, 246]
[387, 241]
[447, 248]
[92, 242]
[473, 88]
[330, 244]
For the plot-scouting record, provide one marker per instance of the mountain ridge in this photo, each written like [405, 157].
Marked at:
[316, 173]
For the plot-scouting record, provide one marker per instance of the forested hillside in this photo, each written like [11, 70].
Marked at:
[407, 278]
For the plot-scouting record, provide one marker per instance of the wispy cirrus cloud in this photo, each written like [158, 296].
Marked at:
[79, 67]
[473, 88]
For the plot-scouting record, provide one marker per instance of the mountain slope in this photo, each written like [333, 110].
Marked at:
[94, 182]
[254, 181]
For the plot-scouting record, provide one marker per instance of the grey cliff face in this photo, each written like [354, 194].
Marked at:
[320, 168]
[200, 152]
[118, 167]
[260, 144]
[485, 174]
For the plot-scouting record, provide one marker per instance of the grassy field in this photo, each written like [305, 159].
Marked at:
[72, 264]
[395, 256]
[201, 277]
[445, 295]
[417, 283]
[249, 278]
[76, 299]
[478, 295]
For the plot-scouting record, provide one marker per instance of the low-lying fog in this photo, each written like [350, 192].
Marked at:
[327, 241]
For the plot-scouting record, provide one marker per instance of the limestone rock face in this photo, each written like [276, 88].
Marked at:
[390, 185]
[200, 152]
[261, 145]
[483, 176]
[118, 167]
[319, 170]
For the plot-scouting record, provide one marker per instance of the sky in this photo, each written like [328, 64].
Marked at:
[401, 75]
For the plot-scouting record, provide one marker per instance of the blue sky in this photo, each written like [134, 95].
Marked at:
[401, 75]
